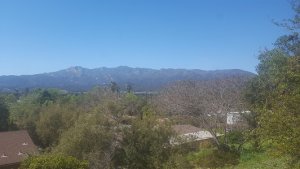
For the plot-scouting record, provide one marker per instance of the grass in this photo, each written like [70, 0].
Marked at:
[261, 160]
[213, 158]
[248, 159]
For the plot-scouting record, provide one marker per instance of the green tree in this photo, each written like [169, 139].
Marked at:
[53, 162]
[114, 87]
[4, 116]
[290, 43]
[50, 124]
[27, 110]
[146, 144]
[132, 104]
[91, 138]
[128, 88]
[274, 95]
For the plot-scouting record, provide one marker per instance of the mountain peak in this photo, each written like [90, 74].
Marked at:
[75, 70]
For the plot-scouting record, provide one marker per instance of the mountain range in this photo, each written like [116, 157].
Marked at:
[78, 79]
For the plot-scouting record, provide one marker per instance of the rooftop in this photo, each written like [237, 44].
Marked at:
[15, 146]
[185, 129]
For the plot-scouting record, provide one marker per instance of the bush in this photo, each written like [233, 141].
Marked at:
[215, 158]
[235, 137]
[146, 144]
[53, 162]
[177, 161]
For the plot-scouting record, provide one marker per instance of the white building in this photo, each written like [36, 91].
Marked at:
[189, 133]
[235, 117]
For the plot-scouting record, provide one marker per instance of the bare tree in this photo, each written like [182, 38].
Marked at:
[208, 101]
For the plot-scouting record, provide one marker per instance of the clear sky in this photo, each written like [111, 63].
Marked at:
[48, 35]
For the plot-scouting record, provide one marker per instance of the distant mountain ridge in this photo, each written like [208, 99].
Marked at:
[141, 79]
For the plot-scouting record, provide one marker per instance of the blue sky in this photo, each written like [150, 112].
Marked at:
[43, 36]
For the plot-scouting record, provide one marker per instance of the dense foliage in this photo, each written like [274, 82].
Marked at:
[104, 127]
[53, 162]
[274, 95]
[146, 144]
[4, 116]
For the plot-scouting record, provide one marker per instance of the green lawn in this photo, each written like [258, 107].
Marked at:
[248, 160]
[263, 160]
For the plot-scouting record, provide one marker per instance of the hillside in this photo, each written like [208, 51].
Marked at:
[141, 79]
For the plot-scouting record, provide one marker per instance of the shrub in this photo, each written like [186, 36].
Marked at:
[215, 158]
[53, 162]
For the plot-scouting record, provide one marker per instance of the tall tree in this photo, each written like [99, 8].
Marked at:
[274, 95]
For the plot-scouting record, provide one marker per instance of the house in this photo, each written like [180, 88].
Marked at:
[15, 146]
[188, 133]
[235, 117]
